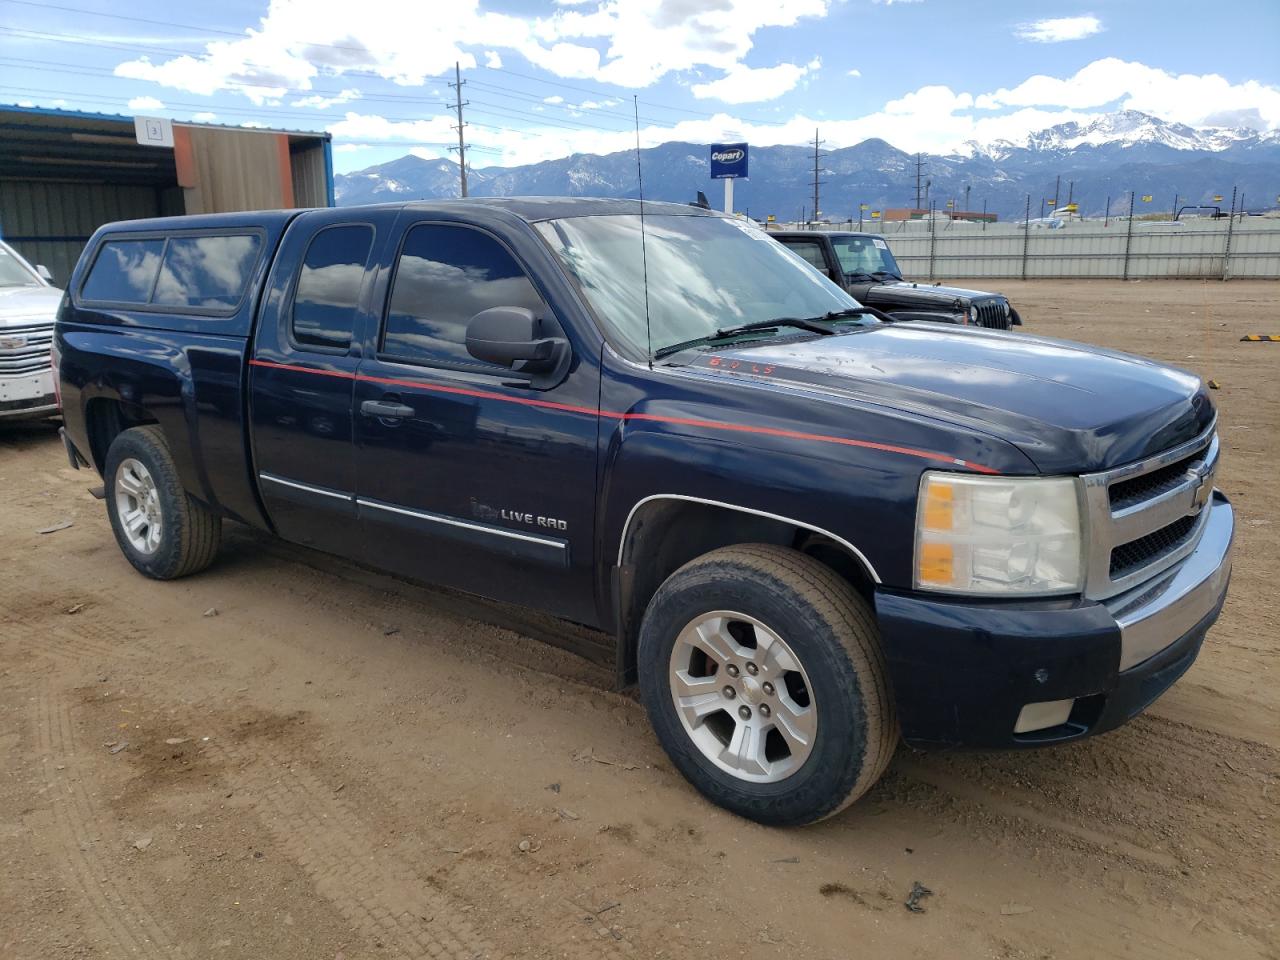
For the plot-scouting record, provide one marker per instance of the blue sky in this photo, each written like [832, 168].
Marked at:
[553, 77]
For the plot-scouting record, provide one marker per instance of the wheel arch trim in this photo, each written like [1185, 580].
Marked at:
[626, 526]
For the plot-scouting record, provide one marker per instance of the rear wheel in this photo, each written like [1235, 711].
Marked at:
[160, 529]
[763, 677]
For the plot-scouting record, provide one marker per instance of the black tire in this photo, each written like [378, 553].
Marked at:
[190, 532]
[832, 632]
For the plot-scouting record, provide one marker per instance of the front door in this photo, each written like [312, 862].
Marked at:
[468, 476]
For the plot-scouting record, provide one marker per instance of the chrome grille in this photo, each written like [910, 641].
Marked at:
[25, 349]
[1146, 550]
[1144, 517]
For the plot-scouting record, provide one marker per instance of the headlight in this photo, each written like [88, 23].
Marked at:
[998, 535]
[973, 314]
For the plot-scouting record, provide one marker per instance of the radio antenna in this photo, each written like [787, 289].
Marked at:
[644, 256]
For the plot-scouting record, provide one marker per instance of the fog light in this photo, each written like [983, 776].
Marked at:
[1042, 716]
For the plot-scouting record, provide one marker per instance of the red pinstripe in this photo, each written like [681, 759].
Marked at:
[612, 415]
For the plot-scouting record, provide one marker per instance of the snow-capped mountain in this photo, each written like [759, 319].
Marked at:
[1124, 130]
[1103, 158]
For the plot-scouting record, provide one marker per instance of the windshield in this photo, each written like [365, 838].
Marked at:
[705, 274]
[13, 273]
[865, 256]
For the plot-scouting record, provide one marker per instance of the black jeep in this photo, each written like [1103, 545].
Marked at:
[863, 264]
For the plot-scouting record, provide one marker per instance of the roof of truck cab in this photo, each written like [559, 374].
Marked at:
[535, 209]
[531, 209]
[822, 233]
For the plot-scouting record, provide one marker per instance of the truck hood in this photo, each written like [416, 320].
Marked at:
[1070, 408]
[26, 305]
[902, 291]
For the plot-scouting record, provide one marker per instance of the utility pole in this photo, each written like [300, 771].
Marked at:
[966, 196]
[817, 170]
[919, 173]
[458, 104]
[1057, 189]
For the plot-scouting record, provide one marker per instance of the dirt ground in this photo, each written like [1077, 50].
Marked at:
[287, 758]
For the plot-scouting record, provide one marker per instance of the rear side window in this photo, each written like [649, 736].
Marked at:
[324, 305]
[206, 271]
[446, 275]
[124, 271]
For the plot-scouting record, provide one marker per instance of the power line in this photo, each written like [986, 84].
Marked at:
[596, 91]
[238, 35]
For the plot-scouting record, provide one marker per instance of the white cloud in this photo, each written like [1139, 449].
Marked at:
[492, 60]
[1195, 99]
[632, 44]
[742, 84]
[143, 104]
[855, 72]
[323, 103]
[351, 147]
[204, 117]
[553, 100]
[1058, 29]
[930, 101]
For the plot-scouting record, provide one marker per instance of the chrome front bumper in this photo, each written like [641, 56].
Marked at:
[1155, 614]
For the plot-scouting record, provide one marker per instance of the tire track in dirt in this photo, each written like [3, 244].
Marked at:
[122, 912]
[380, 900]
[384, 900]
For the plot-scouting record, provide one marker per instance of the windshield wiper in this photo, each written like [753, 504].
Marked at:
[849, 313]
[811, 324]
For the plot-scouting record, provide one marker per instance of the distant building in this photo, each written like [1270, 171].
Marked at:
[915, 213]
[64, 173]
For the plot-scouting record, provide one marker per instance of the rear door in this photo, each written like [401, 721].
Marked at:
[306, 350]
[467, 475]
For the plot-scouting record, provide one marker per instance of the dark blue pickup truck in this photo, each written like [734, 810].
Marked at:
[809, 532]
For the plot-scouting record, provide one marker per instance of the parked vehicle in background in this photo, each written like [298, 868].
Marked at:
[28, 306]
[864, 265]
[808, 532]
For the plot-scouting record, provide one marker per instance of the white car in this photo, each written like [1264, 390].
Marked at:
[28, 305]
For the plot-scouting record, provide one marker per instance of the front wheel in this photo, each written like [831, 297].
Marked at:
[762, 674]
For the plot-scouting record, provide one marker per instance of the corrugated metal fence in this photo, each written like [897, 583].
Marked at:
[1216, 249]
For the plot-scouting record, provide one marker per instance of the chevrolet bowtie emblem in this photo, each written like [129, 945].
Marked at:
[1204, 488]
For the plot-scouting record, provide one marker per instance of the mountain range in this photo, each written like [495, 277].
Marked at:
[1097, 161]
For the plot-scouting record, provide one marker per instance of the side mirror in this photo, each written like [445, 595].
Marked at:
[44, 273]
[508, 336]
